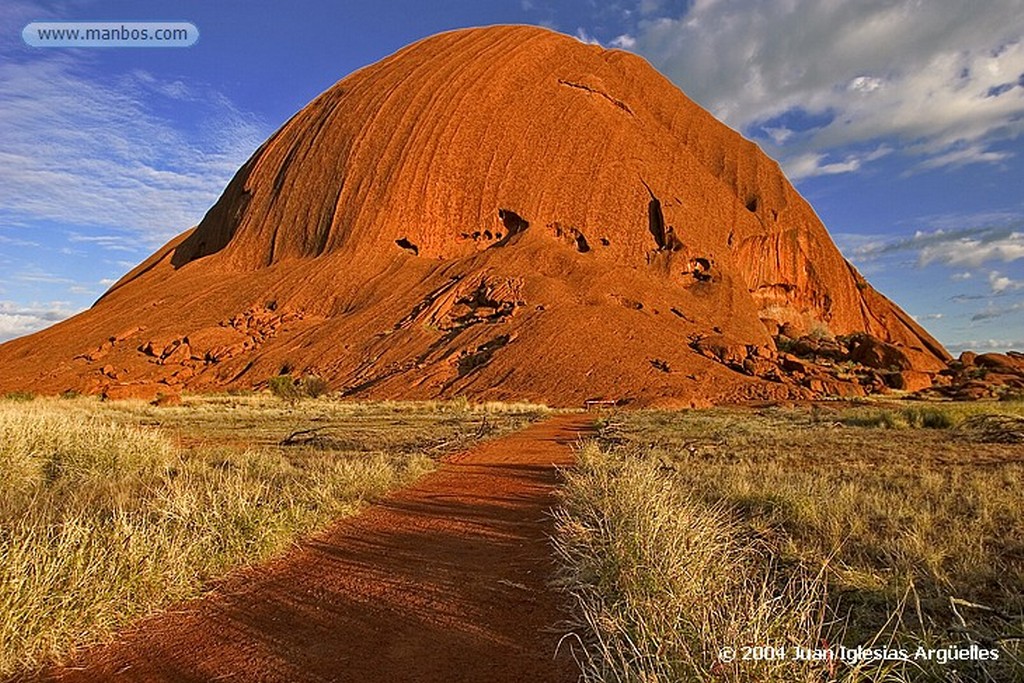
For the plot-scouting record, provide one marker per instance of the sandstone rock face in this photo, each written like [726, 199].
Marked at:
[502, 213]
[877, 354]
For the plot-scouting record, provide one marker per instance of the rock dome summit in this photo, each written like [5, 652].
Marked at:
[499, 213]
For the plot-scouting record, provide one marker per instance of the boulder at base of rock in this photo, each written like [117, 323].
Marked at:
[875, 353]
[909, 380]
[1001, 362]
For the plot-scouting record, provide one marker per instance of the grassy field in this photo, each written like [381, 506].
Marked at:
[109, 511]
[888, 527]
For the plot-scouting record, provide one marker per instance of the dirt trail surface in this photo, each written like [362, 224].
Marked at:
[443, 581]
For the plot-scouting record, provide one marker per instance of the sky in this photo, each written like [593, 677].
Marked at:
[900, 121]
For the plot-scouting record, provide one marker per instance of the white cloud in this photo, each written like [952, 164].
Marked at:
[968, 281]
[778, 134]
[584, 37]
[17, 241]
[966, 247]
[625, 42]
[649, 6]
[82, 150]
[816, 164]
[1001, 283]
[972, 154]
[41, 277]
[957, 221]
[17, 319]
[811, 164]
[943, 77]
[865, 84]
[15, 14]
[970, 251]
[106, 242]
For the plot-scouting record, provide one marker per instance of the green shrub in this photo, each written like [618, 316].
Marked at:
[284, 387]
[459, 404]
[883, 418]
[288, 388]
[929, 418]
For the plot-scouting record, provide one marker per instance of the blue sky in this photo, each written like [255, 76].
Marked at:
[901, 121]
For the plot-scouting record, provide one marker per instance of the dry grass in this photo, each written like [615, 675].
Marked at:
[896, 522]
[929, 416]
[109, 511]
[662, 581]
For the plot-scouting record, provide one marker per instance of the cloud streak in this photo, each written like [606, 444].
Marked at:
[968, 247]
[982, 345]
[86, 151]
[993, 312]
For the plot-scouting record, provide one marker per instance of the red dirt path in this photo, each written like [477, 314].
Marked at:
[443, 581]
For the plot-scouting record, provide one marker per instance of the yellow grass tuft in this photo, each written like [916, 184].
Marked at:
[664, 584]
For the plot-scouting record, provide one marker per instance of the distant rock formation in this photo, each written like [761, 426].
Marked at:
[988, 375]
[499, 213]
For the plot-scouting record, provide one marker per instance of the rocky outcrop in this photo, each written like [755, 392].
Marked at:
[859, 365]
[985, 376]
[501, 213]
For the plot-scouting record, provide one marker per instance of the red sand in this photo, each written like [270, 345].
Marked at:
[444, 581]
[501, 213]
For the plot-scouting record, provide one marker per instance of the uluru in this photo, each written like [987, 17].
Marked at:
[499, 213]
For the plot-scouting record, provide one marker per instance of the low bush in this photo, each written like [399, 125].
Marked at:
[284, 387]
[313, 386]
[288, 388]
